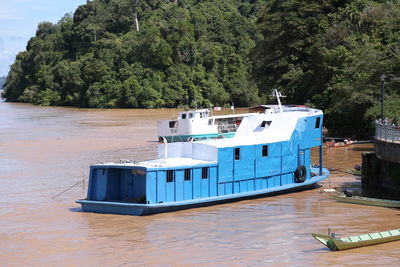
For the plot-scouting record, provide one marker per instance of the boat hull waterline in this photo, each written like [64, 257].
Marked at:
[126, 208]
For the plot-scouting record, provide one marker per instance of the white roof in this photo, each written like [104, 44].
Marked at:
[159, 163]
[174, 162]
[250, 133]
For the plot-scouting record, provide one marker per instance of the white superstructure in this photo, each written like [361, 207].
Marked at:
[275, 125]
[197, 124]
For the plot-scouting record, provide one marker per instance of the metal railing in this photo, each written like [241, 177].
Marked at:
[387, 133]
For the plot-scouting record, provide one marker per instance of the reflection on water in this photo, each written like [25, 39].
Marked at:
[44, 150]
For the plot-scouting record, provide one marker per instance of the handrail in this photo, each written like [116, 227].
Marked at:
[387, 132]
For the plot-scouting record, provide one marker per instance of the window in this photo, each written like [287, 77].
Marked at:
[187, 175]
[317, 122]
[183, 116]
[210, 122]
[266, 123]
[204, 173]
[237, 153]
[170, 176]
[190, 115]
[265, 151]
[173, 124]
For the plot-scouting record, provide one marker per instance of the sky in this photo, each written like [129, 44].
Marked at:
[19, 20]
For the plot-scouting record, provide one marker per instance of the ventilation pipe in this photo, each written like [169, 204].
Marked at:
[165, 147]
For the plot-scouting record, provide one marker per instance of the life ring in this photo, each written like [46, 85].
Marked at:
[300, 174]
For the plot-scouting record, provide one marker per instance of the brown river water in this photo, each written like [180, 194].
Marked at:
[46, 150]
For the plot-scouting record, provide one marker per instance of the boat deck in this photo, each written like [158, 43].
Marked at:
[372, 236]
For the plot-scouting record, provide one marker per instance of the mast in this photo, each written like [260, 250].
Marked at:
[277, 94]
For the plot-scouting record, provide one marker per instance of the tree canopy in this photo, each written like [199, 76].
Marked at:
[329, 54]
[2, 82]
[186, 53]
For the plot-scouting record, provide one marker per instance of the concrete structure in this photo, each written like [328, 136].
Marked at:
[381, 169]
[387, 142]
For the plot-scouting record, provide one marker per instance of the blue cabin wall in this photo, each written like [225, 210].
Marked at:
[225, 162]
[271, 164]
[310, 134]
[252, 171]
[97, 184]
[158, 190]
[255, 172]
[243, 170]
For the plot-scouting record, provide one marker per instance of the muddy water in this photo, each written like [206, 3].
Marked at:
[43, 151]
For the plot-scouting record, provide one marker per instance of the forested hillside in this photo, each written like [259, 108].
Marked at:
[186, 53]
[333, 54]
[180, 53]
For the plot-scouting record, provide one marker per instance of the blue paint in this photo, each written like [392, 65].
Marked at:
[244, 166]
[145, 209]
[161, 186]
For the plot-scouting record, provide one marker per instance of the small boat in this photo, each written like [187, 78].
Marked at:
[199, 125]
[333, 144]
[335, 243]
[347, 197]
[269, 154]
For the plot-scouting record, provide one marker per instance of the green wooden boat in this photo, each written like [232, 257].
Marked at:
[339, 197]
[368, 201]
[336, 243]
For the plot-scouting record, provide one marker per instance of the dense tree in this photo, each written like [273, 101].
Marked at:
[185, 53]
[189, 53]
[331, 53]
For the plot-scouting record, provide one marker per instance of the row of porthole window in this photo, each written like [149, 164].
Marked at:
[188, 174]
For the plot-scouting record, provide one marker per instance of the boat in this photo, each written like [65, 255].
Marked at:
[268, 155]
[199, 125]
[347, 197]
[335, 243]
[333, 144]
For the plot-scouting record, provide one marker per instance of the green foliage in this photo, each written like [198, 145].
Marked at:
[46, 97]
[189, 53]
[332, 53]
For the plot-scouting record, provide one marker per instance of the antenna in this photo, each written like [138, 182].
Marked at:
[277, 94]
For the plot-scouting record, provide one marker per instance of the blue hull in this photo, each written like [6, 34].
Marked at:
[147, 209]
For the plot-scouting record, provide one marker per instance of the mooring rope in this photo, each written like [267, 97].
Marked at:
[83, 185]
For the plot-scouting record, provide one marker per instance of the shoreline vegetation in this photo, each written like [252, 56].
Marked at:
[189, 53]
